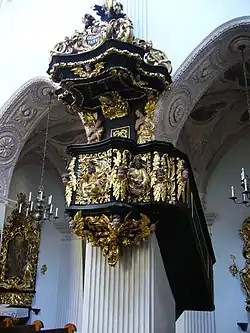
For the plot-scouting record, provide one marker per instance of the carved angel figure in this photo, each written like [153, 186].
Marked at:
[138, 179]
[111, 234]
[93, 127]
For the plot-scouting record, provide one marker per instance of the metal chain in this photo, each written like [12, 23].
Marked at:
[45, 144]
[246, 85]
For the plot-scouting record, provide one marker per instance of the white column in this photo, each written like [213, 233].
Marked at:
[133, 297]
[70, 283]
[196, 322]
[137, 11]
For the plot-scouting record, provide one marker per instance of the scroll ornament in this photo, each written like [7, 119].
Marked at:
[111, 234]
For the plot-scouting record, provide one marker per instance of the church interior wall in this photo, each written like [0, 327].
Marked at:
[229, 298]
[26, 179]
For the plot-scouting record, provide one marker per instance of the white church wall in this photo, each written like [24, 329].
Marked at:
[29, 29]
[26, 179]
[229, 298]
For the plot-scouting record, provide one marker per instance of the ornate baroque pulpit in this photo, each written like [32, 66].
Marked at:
[123, 185]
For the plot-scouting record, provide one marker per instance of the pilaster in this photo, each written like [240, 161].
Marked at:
[133, 296]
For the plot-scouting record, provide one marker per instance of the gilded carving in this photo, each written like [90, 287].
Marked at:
[70, 181]
[111, 234]
[163, 178]
[243, 274]
[113, 24]
[113, 106]
[93, 126]
[119, 177]
[93, 178]
[88, 71]
[182, 180]
[138, 180]
[18, 299]
[19, 254]
[121, 132]
[144, 124]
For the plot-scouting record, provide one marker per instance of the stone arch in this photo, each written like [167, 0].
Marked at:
[216, 53]
[19, 117]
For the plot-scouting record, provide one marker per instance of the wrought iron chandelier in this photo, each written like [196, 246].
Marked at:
[41, 208]
[245, 195]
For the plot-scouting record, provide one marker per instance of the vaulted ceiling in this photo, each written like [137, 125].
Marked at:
[218, 120]
[65, 128]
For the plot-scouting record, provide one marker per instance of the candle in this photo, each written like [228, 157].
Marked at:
[245, 185]
[244, 198]
[51, 208]
[31, 206]
[27, 212]
[56, 212]
[41, 195]
[44, 215]
[30, 195]
[50, 200]
[20, 208]
[242, 174]
[232, 192]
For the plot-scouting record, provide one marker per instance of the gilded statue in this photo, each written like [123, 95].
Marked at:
[94, 180]
[144, 124]
[92, 125]
[119, 182]
[122, 29]
[162, 186]
[182, 180]
[70, 181]
[144, 128]
[138, 179]
[163, 178]
[112, 233]
[113, 106]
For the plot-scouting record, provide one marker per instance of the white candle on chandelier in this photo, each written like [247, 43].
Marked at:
[30, 195]
[50, 200]
[27, 212]
[242, 174]
[41, 195]
[56, 215]
[44, 215]
[245, 185]
[20, 208]
[232, 192]
[31, 206]
[51, 208]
